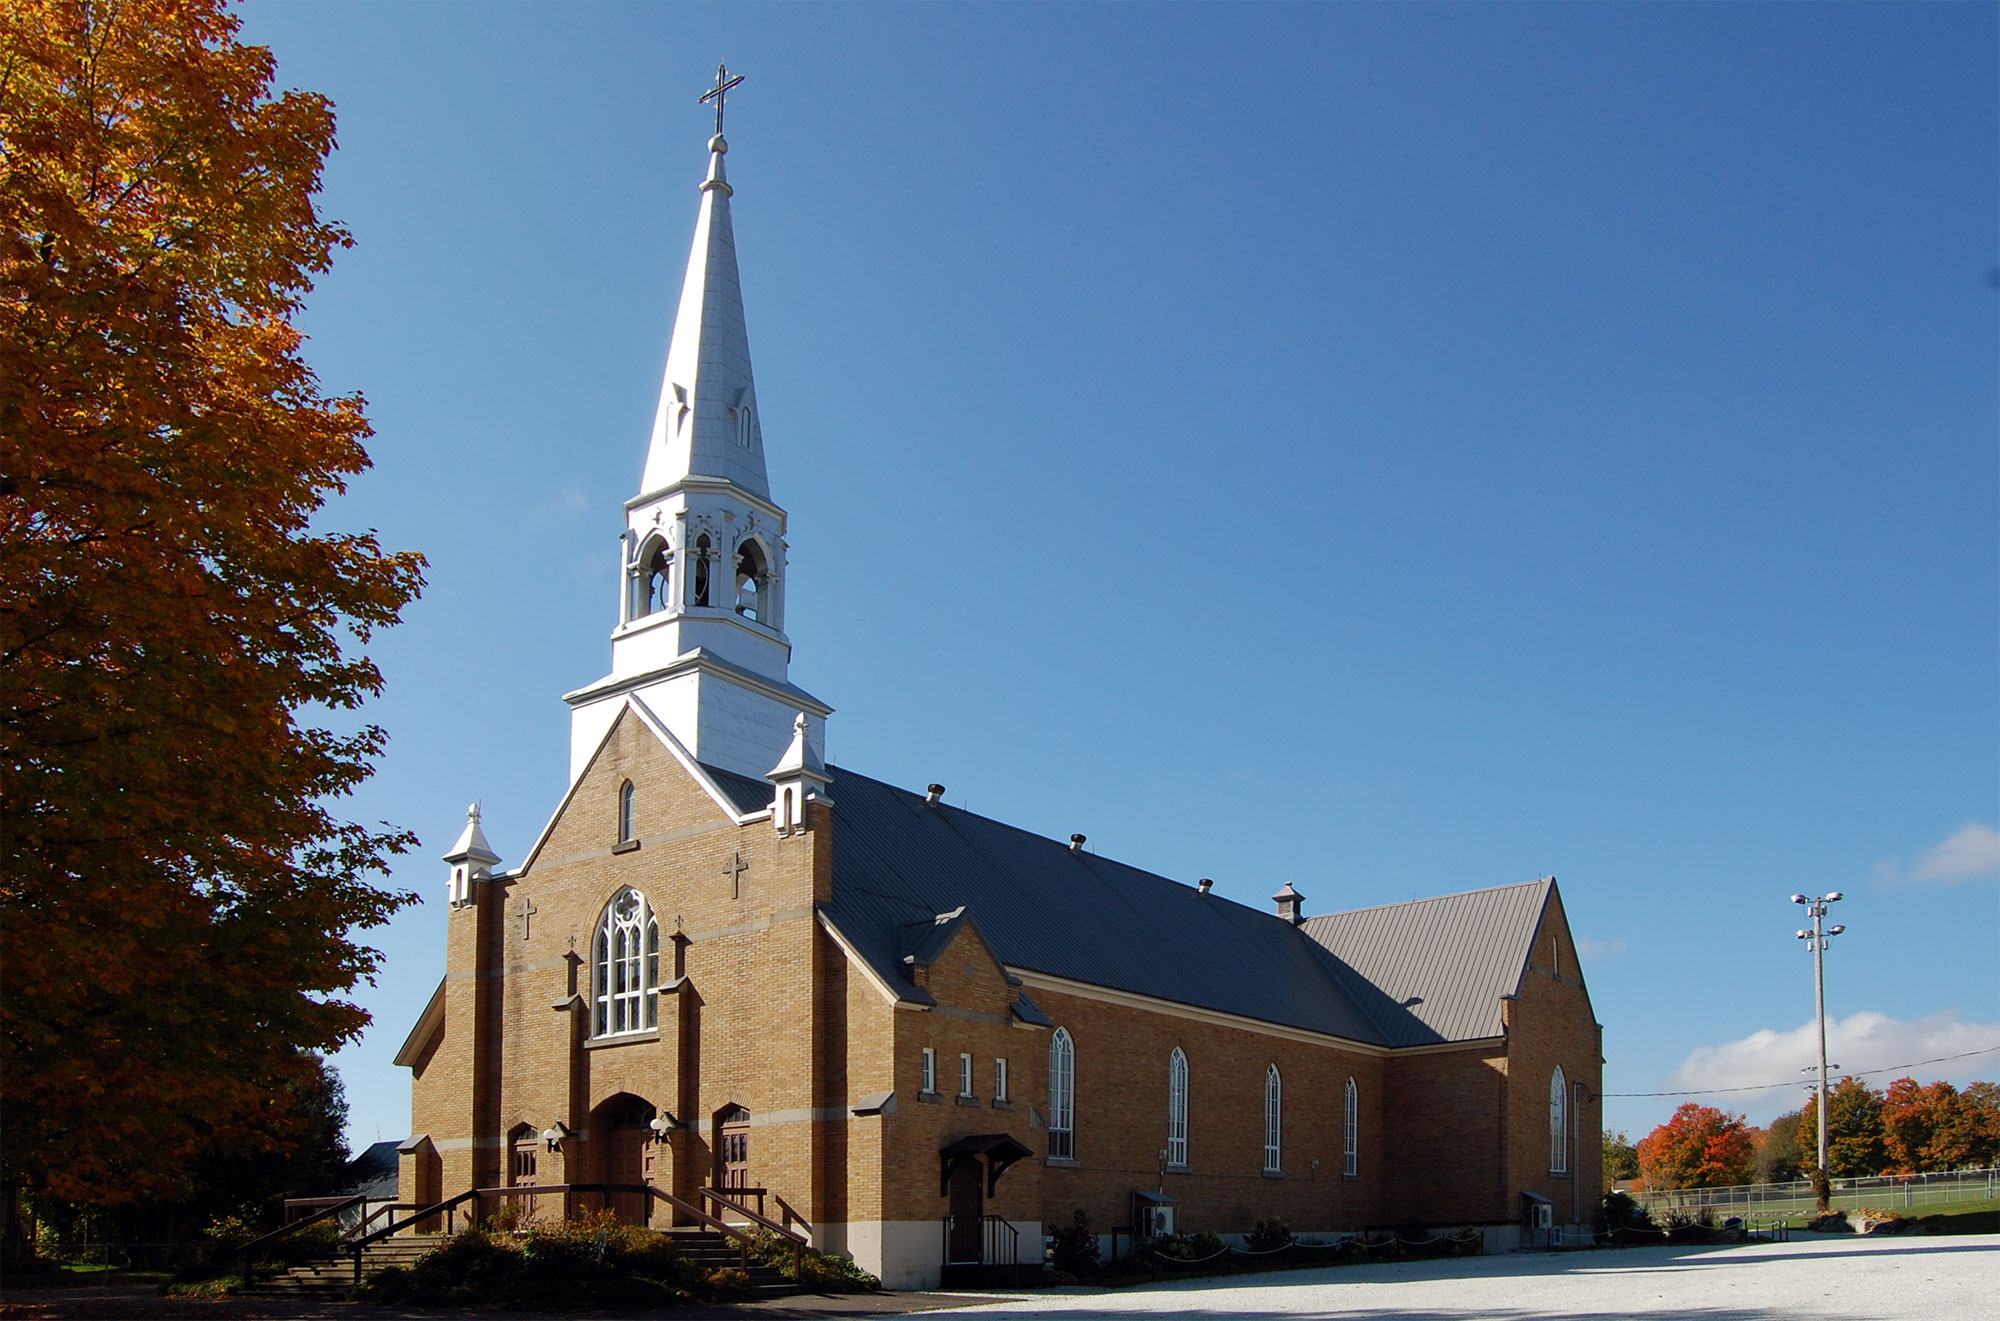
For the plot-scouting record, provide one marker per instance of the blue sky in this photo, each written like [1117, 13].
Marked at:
[1396, 449]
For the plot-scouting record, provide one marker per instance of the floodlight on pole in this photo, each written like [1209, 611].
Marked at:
[1815, 940]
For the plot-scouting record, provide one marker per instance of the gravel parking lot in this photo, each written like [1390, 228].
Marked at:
[1813, 1276]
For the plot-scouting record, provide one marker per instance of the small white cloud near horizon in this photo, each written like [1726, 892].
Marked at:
[1860, 1044]
[1972, 852]
[1590, 947]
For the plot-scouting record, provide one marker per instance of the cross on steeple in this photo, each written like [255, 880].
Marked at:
[734, 870]
[719, 93]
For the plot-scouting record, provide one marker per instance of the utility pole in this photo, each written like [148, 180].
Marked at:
[1816, 942]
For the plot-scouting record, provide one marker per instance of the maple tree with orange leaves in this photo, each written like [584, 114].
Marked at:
[179, 897]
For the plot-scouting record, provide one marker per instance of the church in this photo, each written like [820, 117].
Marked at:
[729, 970]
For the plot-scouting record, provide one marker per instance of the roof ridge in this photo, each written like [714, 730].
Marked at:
[1430, 899]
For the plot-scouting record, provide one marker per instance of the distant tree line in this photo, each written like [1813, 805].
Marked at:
[1909, 1128]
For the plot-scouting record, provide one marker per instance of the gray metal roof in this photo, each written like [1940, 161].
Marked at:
[898, 861]
[1408, 974]
[1433, 970]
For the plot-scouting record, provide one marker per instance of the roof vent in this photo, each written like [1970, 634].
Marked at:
[1076, 843]
[932, 793]
[1291, 904]
[1204, 885]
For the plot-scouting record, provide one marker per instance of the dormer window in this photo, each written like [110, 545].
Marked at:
[746, 425]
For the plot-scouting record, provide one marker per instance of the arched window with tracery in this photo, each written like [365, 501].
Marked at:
[1177, 1108]
[1274, 1121]
[626, 979]
[1558, 1122]
[1062, 1096]
[1350, 1133]
[752, 581]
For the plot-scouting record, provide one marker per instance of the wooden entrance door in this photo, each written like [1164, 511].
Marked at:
[524, 1153]
[732, 1156]
[629, 1160]
[968, 1205]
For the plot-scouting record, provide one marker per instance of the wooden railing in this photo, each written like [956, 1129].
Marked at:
[789, 1215]
[786, 1232]
[256, 1247]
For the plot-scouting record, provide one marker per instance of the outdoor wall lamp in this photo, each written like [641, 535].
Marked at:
[663, 1127]
[553, 1136]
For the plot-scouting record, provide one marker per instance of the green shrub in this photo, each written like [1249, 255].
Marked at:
[728, 1282]
[1075, 1247]
[1268, 1236]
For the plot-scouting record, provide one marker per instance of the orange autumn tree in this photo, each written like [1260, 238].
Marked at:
[1700, 1147]
[1938, 1127]
[178, 896]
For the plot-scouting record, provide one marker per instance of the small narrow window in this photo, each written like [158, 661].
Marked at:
[627, 798]
[999, 1080]
[1350, 1134]
[965, 1075]
[930, 1071]
[701, 569]
[1062, 1096]
[1177, 1108]
[1274, 1121]
[1558, 1123]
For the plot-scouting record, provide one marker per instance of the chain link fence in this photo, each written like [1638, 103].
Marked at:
[1889, 1192]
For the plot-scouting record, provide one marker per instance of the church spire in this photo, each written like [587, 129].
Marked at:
[707, 424]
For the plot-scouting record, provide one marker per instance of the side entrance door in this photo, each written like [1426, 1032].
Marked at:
[968, 1204]
[630, 1162]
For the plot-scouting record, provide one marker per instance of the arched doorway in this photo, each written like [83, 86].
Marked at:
[524, 1155]
[626, 1124]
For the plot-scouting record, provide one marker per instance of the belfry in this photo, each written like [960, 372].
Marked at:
[732, 985]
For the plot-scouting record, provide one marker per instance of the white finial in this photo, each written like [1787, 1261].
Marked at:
[472, 811]
[800, 725]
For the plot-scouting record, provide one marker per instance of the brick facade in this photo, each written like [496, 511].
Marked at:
[761, 1007]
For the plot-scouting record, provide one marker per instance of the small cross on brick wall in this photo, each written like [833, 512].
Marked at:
[734, 870]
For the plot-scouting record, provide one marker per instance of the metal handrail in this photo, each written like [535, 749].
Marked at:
[796, 1239]
[255, 1246]
[989, 1241]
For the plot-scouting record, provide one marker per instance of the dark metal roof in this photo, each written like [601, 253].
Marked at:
[745, 794]
[1433, 970]
[372, 1174]
[898, 861]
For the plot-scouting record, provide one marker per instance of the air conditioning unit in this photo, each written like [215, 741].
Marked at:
[1540, 1217]
[1159, 1220]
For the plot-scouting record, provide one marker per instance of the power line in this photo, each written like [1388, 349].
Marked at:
[1789, 1082]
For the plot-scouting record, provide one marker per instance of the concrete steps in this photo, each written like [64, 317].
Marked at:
[332, 1278]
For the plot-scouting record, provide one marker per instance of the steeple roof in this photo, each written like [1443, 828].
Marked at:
[707, 424]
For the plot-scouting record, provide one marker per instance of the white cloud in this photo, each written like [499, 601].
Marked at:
[1590, 947]
[1859, 1043]
[1973, 852]
[569, 500]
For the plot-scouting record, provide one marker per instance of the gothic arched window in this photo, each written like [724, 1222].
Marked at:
[1558, 1122]
[626, 966]
[752, 575]
[628, 799]
[702, 547]
[1177, 1108]
[658, 571]
[1062, 1096]
[1274, 1120]
[1350, 1133]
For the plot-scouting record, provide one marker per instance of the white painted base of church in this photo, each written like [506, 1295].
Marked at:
[908, 1254]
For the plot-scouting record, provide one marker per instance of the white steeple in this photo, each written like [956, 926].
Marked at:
[701, 601]
[707, 423]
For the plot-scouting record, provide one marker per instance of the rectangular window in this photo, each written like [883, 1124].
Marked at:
[930, 1071]
[965, 1075]
[999, 1080]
